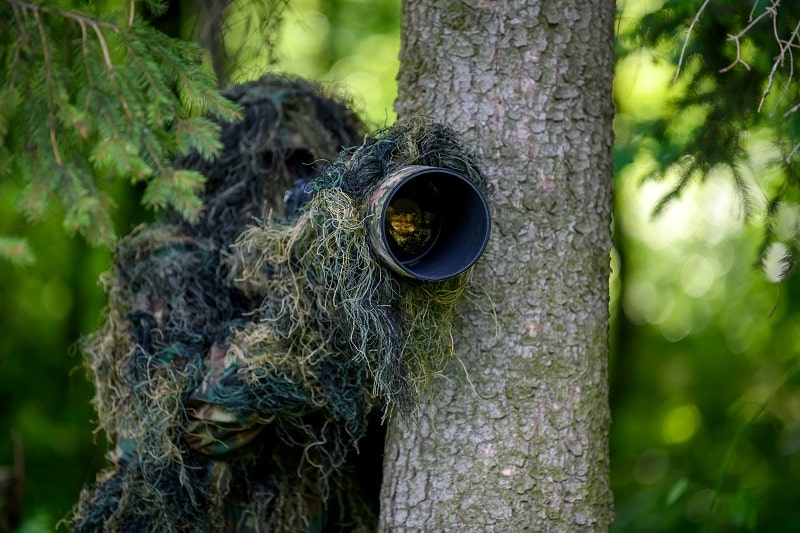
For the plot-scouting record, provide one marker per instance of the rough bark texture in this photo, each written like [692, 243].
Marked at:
[522, 443]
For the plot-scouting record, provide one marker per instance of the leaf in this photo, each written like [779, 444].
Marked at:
[77, 119]
[89, 217]
[185, 199]
[200, 134]
[103, 98]
[199, 98]
[34, 199]
[121, 159]
[9, 102]
[179, 190]
[109, 155]
[157, 7]
[16, 250]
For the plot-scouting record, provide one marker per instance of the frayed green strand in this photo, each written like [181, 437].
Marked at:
[247, 354]
[323, 288]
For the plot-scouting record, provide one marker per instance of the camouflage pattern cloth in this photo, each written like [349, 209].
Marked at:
[248, 358]
[182, 460]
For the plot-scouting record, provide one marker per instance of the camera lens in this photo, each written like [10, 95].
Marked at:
[412, 224]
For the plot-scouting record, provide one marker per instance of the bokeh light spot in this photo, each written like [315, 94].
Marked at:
[56, 299]
[699, 505]
[640, 83]
[697, 275]
[651, 466]
[680, 423]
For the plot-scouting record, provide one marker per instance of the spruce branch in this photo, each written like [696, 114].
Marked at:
[748, 86]
[16, 250]
[687, 38]
[48, 75]
[771, 10]
[22, 39]
[118, 102]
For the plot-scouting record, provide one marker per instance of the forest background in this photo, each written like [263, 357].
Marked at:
[705, 396]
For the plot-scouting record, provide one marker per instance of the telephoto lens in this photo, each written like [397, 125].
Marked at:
[428, 223]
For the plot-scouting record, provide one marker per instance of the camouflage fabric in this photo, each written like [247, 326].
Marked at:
[179, 461]
[212, 429]
[248, 358]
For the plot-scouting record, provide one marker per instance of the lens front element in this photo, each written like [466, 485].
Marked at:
[412, 226]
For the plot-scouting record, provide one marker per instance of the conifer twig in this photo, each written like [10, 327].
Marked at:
[96, 25]
[85, 51]
[117, 115]
[773, 9]
[686, 40]
[779, 59]
[785, 48]
[15, 61]
[738, 58]
[48, 74]
[66, 13]
[110, 67]
[788, 158]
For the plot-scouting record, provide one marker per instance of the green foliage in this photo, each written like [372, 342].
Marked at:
[721, 352]
[87, 98]
[734, 66]
[704, 373]
[704, 356]
[16, 250]
[349, 43]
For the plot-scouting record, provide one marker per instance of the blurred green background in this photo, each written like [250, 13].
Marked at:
[705, 395]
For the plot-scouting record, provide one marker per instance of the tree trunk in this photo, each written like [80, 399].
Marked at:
[515, 437]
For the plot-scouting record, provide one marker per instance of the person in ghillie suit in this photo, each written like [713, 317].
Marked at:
[248, 357]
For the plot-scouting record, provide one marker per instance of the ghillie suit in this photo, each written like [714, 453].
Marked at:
[247, 356]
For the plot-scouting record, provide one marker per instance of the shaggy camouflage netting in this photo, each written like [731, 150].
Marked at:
[247, 358]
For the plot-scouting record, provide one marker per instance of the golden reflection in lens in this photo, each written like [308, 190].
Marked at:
[409, 226]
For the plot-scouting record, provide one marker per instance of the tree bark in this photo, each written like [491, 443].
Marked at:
[515, 437]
